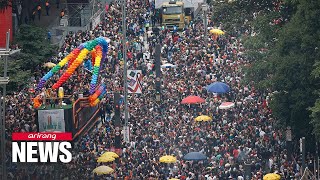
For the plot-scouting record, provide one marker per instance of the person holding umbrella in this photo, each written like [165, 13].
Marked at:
[218, 87]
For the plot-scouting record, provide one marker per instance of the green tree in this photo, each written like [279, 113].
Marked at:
[315, 110]
[36, 50]
[18, 76]
[287, 65]
[229, 15]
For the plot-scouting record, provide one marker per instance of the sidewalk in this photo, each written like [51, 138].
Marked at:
[54, 14]
[45, 21]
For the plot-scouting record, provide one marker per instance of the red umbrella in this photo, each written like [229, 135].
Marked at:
[192, 100]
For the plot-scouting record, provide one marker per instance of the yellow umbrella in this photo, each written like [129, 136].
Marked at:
[203, 118]
[174, 179]
[106, 159]
[110, 154]
[216, 31]
[272, 176]
[168, 159]
[49, 65]
[103, 170]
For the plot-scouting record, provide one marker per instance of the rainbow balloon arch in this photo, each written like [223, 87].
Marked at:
[98, 49]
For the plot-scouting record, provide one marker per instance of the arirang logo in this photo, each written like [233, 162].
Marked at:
[41, 151]
[49, 136]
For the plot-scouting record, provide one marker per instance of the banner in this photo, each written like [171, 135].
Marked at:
[134, 78]
[51, 120]
[126, 134]
[96, 21]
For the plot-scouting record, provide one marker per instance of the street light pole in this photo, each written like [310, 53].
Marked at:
[317, 160]
[303, 152]
[125, 68]
[4, 81]
[205, 9]
[289, 141]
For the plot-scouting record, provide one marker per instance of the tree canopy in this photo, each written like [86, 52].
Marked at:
[36, 49]
[289, 64]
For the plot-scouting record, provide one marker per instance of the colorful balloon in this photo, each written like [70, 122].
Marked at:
[98, 48]
[98, 95]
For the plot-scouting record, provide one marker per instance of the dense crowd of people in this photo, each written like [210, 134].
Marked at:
[235, 137]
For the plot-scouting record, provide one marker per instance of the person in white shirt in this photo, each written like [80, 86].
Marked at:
[262, 133]
[270, 164]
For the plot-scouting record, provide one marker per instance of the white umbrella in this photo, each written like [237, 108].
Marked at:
[226, 105]
[168, 65]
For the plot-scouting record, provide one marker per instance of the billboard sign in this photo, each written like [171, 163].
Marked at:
[126, 134]
[134, 81]
[51, 120]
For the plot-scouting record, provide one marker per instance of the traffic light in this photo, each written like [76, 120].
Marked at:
[117, 121]
[158, 72]
[158, 85]
[117, 141]
[157, 60]
[158, 98]
[158, 90]
[247, 169]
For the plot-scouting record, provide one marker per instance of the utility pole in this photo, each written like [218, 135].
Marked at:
[303, 152]
[205, 9]
[125, 68]
[158, 73]
[117, 120]
[289, 141]
[317, 159]
[247, 169]
[3, 82]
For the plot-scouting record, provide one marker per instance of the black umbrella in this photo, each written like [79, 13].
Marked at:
[195, 156]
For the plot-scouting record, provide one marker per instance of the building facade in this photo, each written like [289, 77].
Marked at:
[5, 25]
